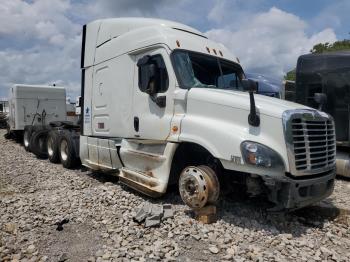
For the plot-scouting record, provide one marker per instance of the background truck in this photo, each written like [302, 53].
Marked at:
[34, 109]
[35, 105]
[4, 110]
[268, 86]
[323, 82]
[162, 104]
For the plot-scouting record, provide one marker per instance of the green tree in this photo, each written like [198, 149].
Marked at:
[327, 47]
[290, 75]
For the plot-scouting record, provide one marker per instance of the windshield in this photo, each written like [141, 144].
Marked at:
[204, 71]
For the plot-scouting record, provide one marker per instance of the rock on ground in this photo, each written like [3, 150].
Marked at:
[35, 196]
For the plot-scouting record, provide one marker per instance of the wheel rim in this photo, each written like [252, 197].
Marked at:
[212, 182]
[199, 186]
[64, 150]
[193, 187]
[50, 146]
[26, 139]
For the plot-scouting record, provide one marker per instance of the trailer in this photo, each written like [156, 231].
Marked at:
[35, 105]
[323, 82]
[4, 110]
[162, 104]
[33, 111]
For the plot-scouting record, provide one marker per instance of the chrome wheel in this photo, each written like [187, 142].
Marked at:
[26, 139]
[50, 149]
[64, 150]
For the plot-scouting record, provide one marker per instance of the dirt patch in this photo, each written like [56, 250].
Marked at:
[76, 242]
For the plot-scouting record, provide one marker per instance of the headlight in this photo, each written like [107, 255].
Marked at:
[261, 156]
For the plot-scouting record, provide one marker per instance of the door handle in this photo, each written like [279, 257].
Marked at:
[136, 123]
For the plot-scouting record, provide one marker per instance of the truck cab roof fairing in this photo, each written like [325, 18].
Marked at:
[99, 34]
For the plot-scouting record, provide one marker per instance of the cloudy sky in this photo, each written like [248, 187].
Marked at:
[40, 39]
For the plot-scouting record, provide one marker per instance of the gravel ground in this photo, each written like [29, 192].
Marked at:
[35, 195]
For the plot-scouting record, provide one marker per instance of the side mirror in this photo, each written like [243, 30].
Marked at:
[320, 99]
[149, 78]
[143, 61]
[152, 79]
[250, 85]
[148, 75]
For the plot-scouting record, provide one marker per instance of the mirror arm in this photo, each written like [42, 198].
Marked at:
[253, 118]
[159, 100]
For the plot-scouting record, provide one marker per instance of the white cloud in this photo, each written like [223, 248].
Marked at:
[42, 19]
[40, 40]
[41, 44]
[270, 42]
[42, 65]
[335, 15]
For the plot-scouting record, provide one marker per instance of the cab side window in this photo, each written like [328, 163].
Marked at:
[153, 76]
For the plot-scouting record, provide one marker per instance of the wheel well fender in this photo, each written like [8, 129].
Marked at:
[187, 154]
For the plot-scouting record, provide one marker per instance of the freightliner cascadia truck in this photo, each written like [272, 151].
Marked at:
[163, 104]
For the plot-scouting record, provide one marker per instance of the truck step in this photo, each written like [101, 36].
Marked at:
[140, 181]
[144, 155]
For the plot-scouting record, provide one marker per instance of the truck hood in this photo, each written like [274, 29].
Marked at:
[236, 99]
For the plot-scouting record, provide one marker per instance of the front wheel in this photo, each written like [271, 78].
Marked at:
[66, 150]
[198, 186]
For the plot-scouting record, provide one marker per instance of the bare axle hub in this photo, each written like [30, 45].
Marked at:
[199, 186]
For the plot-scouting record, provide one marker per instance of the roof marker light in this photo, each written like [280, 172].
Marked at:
[221, 53]
[208, 50]
[177, 43]
[214, 51]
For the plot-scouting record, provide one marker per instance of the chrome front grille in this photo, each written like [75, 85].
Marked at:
[310, 137]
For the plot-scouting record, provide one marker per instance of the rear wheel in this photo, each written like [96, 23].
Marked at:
[198, 186]
[52, 146]
[38, 143]
[8, 134]
[67, 152]
[28, 130]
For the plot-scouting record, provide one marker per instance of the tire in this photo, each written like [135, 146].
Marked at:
[28, 130]
[38, 143]
[8, 134]
[52, 146]
[67, 151]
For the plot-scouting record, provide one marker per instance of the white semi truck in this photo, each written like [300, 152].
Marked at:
[4, 110]
[163, 104]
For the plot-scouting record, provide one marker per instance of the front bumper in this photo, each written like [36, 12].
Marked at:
[289, 193]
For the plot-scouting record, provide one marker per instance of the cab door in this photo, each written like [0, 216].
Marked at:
[153, 104]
